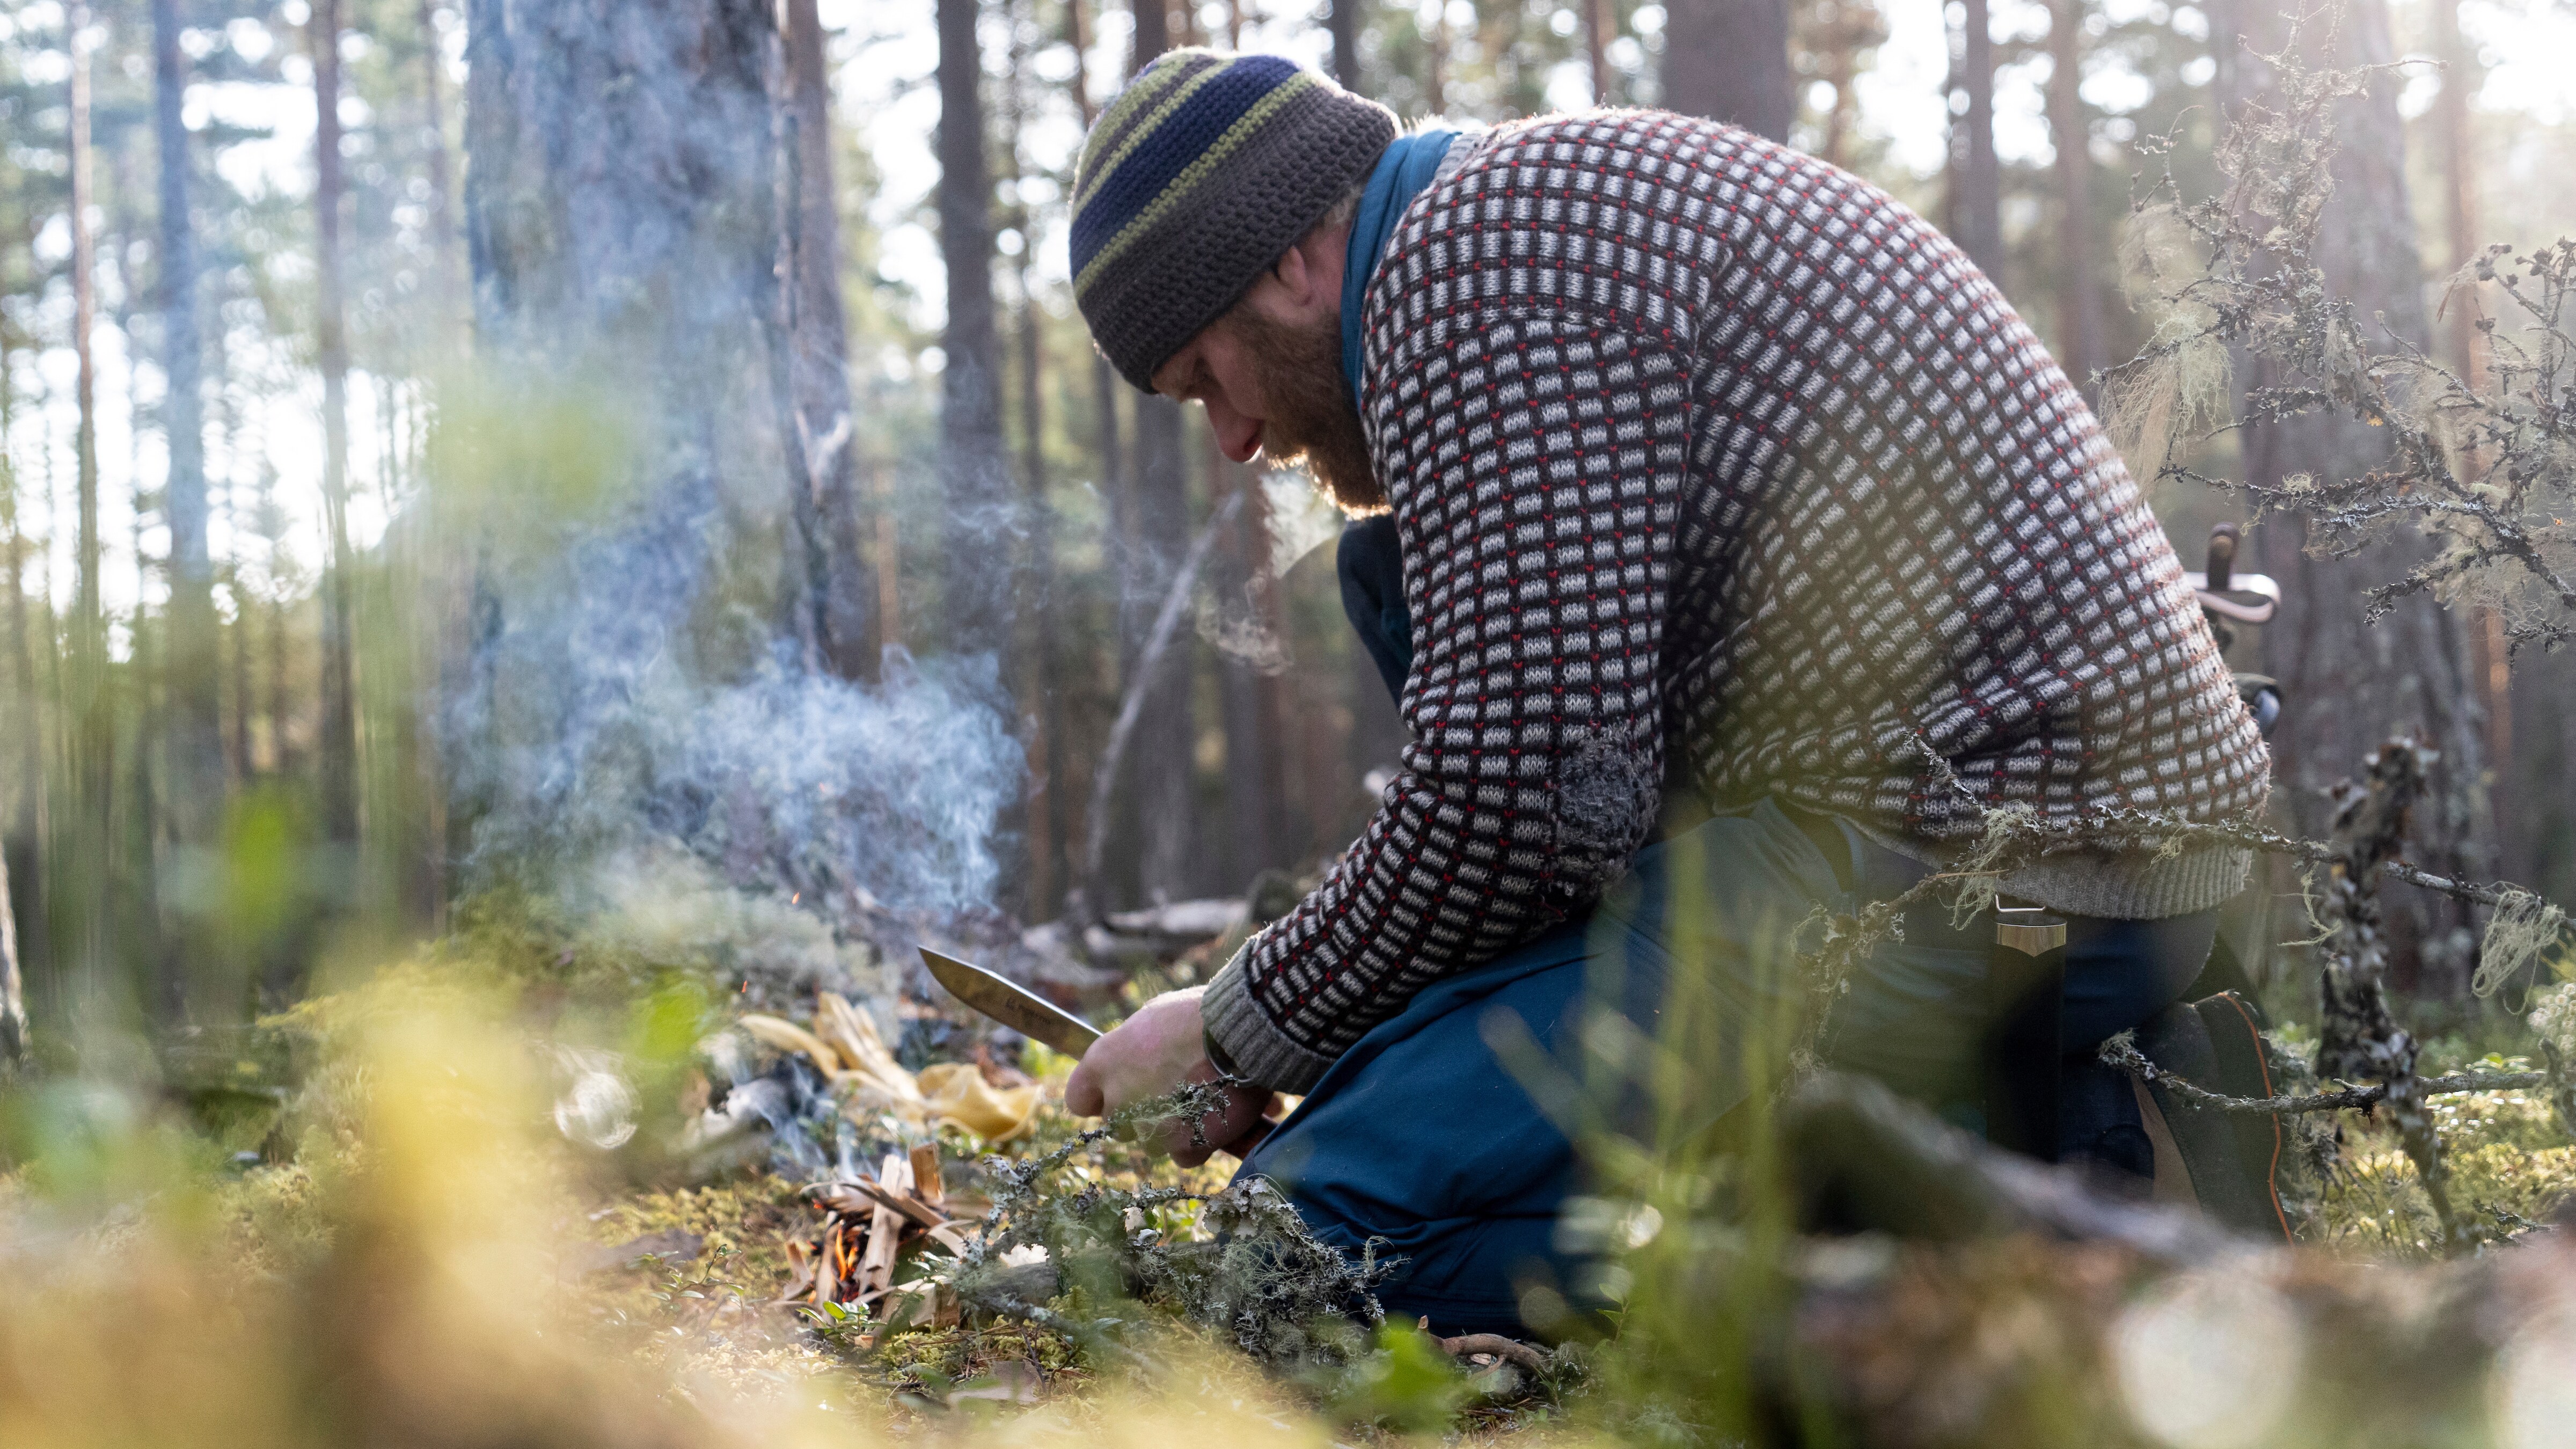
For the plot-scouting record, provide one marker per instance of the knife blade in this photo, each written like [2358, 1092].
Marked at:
[1030, 1015]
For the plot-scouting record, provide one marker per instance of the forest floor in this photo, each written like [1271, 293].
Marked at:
[422, 1176]
[2511, 1163]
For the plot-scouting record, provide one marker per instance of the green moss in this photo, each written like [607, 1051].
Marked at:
[744, 1226]
[2506, 1154]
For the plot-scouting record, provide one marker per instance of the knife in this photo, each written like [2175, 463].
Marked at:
[1039, 1019]
[1030, 1015]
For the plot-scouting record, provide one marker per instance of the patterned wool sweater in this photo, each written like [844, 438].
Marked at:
[1717, 470]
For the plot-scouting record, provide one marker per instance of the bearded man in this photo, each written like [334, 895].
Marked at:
[1733, 548]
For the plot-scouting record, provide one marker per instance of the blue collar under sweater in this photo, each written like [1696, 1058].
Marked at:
[1408, 166]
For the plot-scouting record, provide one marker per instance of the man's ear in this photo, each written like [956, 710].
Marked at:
[1296, 274]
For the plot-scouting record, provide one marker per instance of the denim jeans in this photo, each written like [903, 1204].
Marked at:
[1424, 1138]
[1426, 1134]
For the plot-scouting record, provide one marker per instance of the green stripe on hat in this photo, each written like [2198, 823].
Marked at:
[1136, 110]
[1197, 172]
[1194, 180]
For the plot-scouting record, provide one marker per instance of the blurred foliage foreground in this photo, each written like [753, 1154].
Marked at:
[447, 1232]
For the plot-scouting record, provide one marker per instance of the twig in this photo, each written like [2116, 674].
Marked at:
[1104, 780]
[2122, 1052]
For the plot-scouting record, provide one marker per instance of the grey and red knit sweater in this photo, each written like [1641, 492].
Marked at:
[1717, 470]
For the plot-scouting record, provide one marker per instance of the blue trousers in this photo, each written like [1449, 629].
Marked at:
[1424, 1137]
[1427, 1135]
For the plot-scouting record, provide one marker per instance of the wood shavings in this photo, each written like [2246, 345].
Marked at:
[959, 1093]
[787, 1036]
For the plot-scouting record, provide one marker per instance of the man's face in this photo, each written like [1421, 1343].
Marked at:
[1270, 375]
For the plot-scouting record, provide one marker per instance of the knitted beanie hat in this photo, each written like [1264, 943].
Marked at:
[1199, 176]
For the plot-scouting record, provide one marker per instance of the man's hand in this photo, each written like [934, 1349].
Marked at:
[1149, 1055]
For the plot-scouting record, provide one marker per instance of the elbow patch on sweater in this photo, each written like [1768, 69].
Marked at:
[1607, 794]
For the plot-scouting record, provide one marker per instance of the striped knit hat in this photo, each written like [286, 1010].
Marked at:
[1203, 173]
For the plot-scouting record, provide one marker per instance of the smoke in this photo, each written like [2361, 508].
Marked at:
[633, 730]
[814, 783]
[637, 706]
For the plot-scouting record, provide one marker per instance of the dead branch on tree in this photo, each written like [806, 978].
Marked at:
[1104, 779]
[2485, 466]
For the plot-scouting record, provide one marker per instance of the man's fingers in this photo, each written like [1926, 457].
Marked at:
[1082, 1091]
[1235, 1130]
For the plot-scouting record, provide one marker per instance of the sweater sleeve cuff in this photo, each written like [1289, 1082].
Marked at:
[1260, 1051]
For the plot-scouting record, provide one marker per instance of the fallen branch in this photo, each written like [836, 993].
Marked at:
[2122, 1052]
[1865, 1158]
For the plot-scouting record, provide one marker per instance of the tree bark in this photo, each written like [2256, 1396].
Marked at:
[1113, 481]
[1599, 25]
[281, 692]
[1728, 60]
[1165, 758]
[975, 594]
[1256, 790]
[1435, 64]
[1850, 26]
[2079, 277]
[245, 615]
[624, 212]
[1342, 21]
[1153, 833]
[195, 742]
[13, 988]
[2348, 686]
[1976, 201]
[95, 753]
[447, 291]
[339, 720]
[1042, 696]
[140, 915]
[2462, 74]
[840, 583]
[22, 852]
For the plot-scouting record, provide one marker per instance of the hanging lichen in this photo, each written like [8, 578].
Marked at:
[2523, 927]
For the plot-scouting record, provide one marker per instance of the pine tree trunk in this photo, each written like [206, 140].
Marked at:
[1342, 21]
[2079, 280]
[975, 595]
[244, 697]
[139, 911]
[1041, 692]
[1435, 65]
[2349, 686]
[1113, 483]
[339, 721]
[1164, 755]
[624, 199]
[22, 850]
[448, 291]
[1154, 832]
[840, 585]
[195, 725]
[1256, 804]
[2462, 73]
[13, 987]
[281, 689]
[94, 754]
[1728, 60]
[1855, 24]
[1976, 200]
[1599, 26]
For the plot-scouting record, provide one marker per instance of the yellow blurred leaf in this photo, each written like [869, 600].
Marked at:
[787, 1036]
[958, 1092]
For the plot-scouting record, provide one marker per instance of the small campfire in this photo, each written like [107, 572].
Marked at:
[869, 1225]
